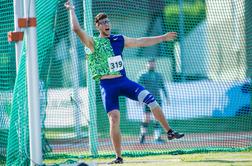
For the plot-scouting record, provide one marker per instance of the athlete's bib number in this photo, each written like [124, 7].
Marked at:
[115, 63]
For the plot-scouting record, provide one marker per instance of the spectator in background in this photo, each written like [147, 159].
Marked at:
[153, 82]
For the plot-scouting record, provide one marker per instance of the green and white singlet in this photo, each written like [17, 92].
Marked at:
[107, 57]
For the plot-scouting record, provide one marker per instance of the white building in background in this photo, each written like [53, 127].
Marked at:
[216, 48]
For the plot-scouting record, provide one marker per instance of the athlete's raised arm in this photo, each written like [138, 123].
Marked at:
[148, 41]
[84, 37]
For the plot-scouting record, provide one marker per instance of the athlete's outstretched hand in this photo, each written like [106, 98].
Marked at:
[170, 36]
[68, 5]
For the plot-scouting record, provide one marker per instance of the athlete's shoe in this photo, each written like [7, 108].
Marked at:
[142, 138]
[118, 160]
[172, 134]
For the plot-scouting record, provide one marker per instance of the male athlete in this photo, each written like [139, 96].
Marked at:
[106, 64]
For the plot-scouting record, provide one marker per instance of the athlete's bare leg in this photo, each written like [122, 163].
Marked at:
[115, 133]
[159, 115]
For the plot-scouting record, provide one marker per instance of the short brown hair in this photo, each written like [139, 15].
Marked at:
[100, 16]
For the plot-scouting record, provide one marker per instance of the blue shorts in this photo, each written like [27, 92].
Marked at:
[111, 89]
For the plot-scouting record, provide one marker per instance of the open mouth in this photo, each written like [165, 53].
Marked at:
[107, 29]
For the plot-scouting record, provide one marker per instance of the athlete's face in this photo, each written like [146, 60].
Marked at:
[104, 27]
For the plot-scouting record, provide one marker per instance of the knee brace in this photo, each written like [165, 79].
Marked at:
[147, 98]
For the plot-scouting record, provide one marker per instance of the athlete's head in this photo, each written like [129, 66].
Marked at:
[102, 24]
[151, 65]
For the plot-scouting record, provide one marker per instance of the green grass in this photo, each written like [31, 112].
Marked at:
[205, 159]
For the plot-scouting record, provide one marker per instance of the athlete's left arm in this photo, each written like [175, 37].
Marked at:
[148, 41]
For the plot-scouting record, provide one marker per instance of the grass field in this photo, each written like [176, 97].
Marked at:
[202, 159]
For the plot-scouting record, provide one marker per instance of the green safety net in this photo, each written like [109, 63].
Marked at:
[204, 80]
